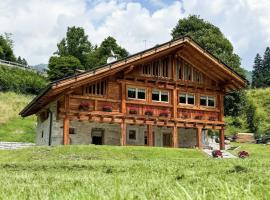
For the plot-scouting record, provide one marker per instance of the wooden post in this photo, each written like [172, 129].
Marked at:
[66, 130]
[149, 135]
[174, 102]
[199, 137]
[123, 98]
[221, 139]
[221, 107]
[123, 128]
[175, 136]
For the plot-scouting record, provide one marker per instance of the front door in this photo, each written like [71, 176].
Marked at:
[97, 136]
[167, 139]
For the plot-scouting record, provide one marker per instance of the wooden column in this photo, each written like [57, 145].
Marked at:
[175, 136]
[174, 102]
[150, 135]
[199, 137]
[221, 139]
[66, 130]
[123, 98]
[123, 128]
[221, 107]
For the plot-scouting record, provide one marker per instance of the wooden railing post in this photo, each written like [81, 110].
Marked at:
[199, 137]
[123, 130]
[221, 139]
[149, 135]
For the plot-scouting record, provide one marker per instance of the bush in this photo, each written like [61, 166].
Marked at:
[21, 81]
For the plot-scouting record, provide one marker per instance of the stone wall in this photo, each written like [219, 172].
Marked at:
[187, 137]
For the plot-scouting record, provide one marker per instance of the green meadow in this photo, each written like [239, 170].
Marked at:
[107, 172]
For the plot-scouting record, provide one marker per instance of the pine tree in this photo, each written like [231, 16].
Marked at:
[266, 68]
[257, 73]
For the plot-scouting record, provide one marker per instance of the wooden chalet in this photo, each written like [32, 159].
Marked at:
[169, 95]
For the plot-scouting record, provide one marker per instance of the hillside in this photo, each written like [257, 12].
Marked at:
[20, 80]
[12, 126]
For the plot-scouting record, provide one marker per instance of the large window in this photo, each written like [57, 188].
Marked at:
[160, 96]
[136, 93]
[207, 101]
[186, 98]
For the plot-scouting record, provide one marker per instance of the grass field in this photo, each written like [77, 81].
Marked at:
[12, 126]
[105, 172]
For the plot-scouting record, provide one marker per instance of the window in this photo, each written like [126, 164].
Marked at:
[161, 96]
[97, 88]
[72, 131]
[132, 135]
[136, 93]
[42, 134]
[207, 101]
[187, 99]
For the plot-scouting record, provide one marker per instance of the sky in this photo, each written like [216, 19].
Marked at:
[37, 25]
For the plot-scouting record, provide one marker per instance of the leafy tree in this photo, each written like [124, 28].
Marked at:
[100, 54]
[257, 73]
[6, 52]
[75, 44]
[63, 66]
[211, 38]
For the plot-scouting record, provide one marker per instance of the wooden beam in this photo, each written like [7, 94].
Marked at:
[150, 135]
[174, 102]
[123, 127]
[123, 98]
[199, 137]
[221, 139]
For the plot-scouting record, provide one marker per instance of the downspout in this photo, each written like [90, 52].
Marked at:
[50, 129]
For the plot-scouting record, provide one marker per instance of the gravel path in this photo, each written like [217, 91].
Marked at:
[14, 145]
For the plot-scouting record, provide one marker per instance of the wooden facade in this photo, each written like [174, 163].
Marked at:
[176, 85]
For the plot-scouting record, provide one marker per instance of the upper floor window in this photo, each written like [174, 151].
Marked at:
[187, 98]
[207, 101]
[136, 93]
[160, 96]
[96, 88]
[159, 68]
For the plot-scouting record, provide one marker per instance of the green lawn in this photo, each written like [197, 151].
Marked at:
[106, 172]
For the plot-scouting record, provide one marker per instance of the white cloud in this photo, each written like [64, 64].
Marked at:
[37, 26]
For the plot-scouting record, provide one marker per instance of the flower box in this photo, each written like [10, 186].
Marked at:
[243, 154]
[133, 110]
[198, 117]
[217, 154]
[148, 112]
[84, 106]
[164, 113]
[107, 108]
[212, 119]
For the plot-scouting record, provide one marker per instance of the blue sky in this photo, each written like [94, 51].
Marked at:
[37, 25]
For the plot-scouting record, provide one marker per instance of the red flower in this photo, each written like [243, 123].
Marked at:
[243, 154]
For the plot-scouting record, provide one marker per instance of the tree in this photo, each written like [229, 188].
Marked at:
[63, 66]
[6, 52]
[75, 44]
[100, 54]
[266, 67]
[211, 38]
[252, 119]
[257, 73]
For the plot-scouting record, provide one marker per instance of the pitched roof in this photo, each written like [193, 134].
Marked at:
[57, 87]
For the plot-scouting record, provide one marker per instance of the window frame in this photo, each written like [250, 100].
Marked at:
[186, 96]
[136, 93]
[159, 96]
[207, 97]
[136, 134]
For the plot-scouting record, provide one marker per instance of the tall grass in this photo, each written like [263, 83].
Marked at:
[12, 126]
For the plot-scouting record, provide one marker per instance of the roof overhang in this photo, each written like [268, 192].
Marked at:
[186, 47]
